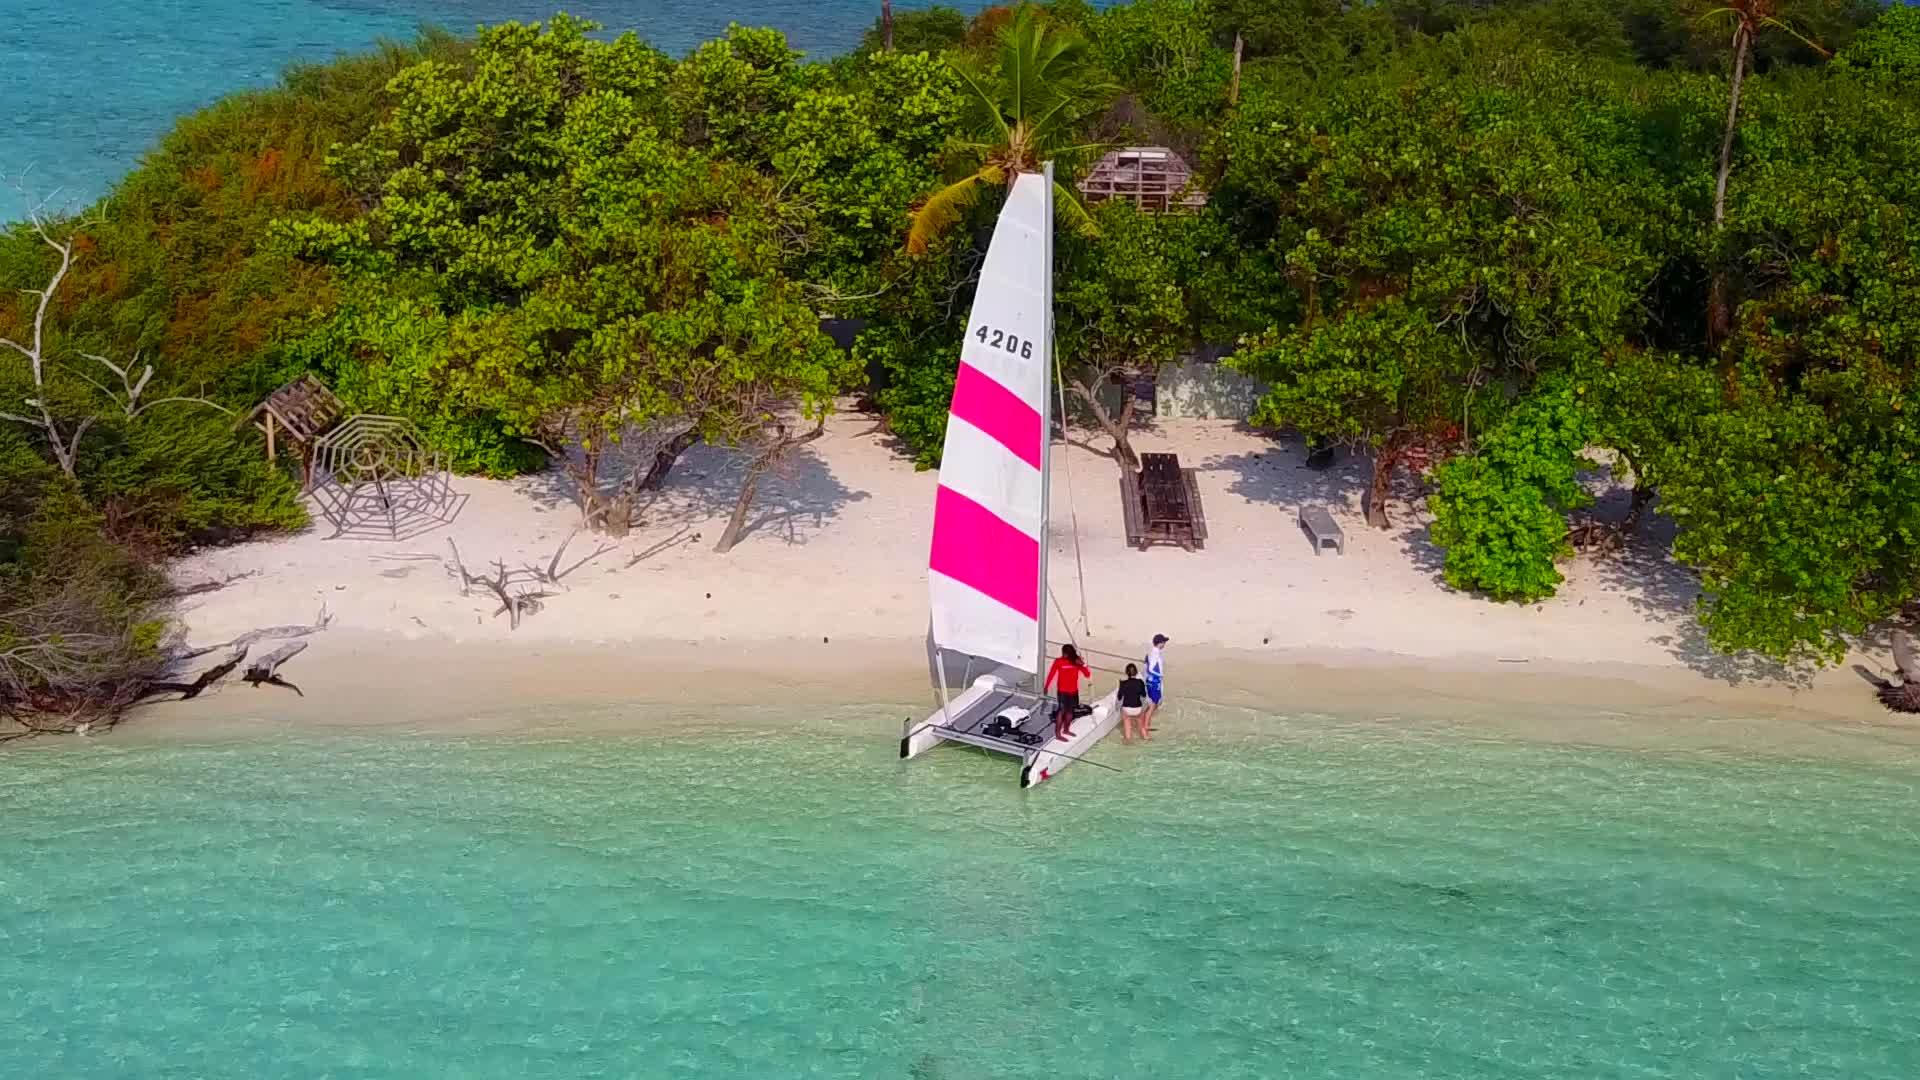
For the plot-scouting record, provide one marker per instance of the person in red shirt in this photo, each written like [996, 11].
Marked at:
[1069, 669]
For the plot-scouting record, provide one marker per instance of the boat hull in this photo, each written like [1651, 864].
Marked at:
[1052, 758]
[964, 719]
[926, 735]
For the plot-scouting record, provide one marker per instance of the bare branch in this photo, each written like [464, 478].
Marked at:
[204, 587]
[320, 622]
[132, 388]
[552, 575]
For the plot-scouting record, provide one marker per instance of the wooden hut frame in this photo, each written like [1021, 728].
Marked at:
[303, 409]
[1153, 178]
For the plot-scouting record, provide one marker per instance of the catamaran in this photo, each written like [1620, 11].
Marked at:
[987, 572]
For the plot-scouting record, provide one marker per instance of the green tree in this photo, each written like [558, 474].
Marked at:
[1785, 458]
[1024, 112]
[1452, 235]
[849, 159]
[1749, 19]
[554, 244]
[1888, 51]
[935, 30]
[1500, 513]
[1119, 310]
[1162, 51]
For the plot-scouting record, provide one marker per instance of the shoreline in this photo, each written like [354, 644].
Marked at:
[374, 683]
[823, 605]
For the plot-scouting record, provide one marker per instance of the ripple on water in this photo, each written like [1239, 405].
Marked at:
[1338, 902]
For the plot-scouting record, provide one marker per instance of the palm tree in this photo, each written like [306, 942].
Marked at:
[1025, 111]
[1749, 18]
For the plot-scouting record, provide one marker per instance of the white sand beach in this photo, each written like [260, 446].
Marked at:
[824, 600]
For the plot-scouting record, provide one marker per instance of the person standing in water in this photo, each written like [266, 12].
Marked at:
[1156, 671]
[1069, 670]
[1133, 704]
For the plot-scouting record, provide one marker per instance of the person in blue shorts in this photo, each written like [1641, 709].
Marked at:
[1156, 671]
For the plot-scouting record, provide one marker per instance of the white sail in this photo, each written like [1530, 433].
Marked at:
[986, 569]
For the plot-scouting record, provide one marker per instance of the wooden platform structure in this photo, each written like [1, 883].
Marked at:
[1162, 504]
[303, 410]
[1153, 178]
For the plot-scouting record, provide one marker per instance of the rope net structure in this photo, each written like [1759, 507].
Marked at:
[376, 478]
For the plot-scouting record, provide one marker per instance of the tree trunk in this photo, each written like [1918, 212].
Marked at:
[741, 506]
[664, 459]
[1384, 463]
[886, 25]
[1719, 304]
[1642, 495]
[782, 445]
[585, 475]
[1117, 429]
[1233, 88]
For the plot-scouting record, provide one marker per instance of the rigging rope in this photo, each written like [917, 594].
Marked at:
[1073, 511]
[1064, 624]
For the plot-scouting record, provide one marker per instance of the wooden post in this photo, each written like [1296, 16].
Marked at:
[1239, 47]
[886, 25]
[269, 434]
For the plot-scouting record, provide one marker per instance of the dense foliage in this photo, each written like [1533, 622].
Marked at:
[1483, 233]
[1501, 513]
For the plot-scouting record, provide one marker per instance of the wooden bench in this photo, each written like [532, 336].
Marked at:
[1162, 504]
[1322, 529]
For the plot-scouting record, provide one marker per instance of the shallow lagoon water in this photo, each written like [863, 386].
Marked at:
[778, 896]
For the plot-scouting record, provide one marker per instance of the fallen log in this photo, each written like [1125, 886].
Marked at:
[190, 690]
[265, 671]
[320, 622]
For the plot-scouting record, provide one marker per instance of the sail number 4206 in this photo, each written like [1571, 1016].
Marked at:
[1000, 339]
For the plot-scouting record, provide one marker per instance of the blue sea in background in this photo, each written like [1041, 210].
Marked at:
[87, 85]
[775, 895]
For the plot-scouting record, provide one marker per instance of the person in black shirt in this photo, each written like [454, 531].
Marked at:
[1133, 704]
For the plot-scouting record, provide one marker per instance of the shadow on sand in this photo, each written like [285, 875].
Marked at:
[1667, 595]
[794, 500]
[1661, 590]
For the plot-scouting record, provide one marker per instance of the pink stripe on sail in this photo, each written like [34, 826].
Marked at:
[984, 553]
[999, 412]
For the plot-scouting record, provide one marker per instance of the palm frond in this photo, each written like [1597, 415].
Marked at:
[1068, 209]
[987, 103]
[1788, 28]
[944, 208]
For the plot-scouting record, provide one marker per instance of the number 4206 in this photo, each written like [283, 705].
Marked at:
[1000, 339]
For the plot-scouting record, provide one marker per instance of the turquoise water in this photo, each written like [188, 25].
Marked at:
[88, 85]
[1320, 901]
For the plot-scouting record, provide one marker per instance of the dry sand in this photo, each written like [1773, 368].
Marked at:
[823, 601]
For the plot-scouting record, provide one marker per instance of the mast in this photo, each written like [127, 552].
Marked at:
[1046, 447]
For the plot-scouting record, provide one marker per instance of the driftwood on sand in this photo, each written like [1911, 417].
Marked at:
[98, 694]
[515, 603]
[1902, 696]
[261, 671]
[268, 633]
[190, 690]
[265, 671]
